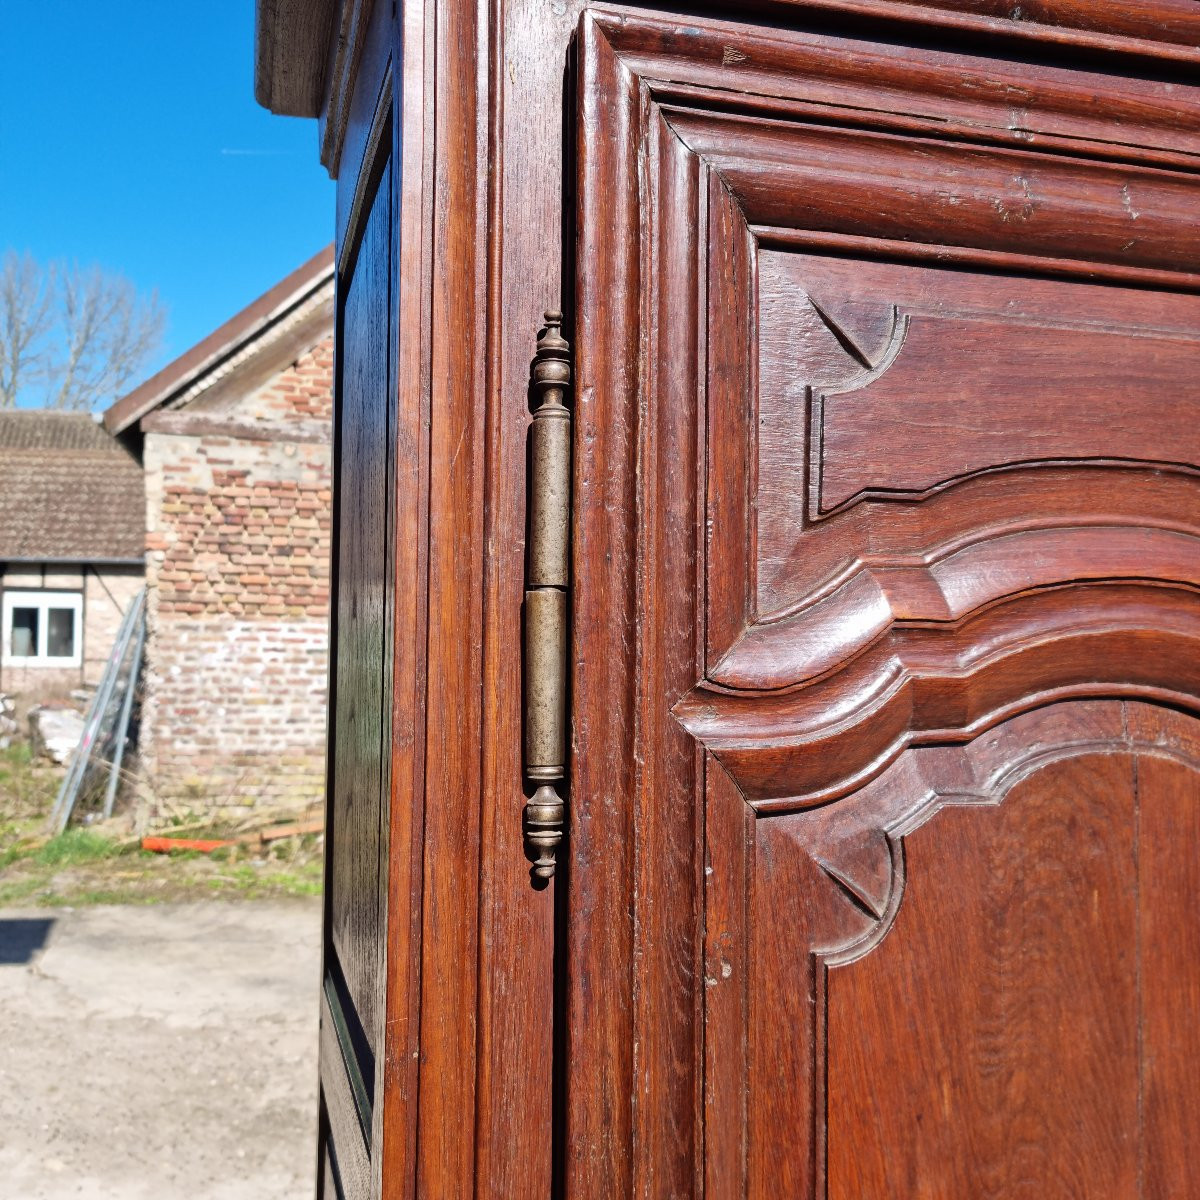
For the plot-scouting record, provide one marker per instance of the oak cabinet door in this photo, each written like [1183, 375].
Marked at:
[354, 988]
[885, 796]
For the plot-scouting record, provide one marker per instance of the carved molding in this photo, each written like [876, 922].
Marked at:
[801, 747]
[859, 849]
[853, 180]
[965, 608]
[803, 643]
[961, 93]
[985, 416]
[761, 171]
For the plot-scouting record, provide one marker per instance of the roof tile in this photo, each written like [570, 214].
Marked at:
[69, 491]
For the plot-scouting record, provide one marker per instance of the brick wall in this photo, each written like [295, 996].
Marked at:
[237, 566]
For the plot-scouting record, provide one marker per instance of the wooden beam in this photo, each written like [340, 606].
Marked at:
[291, 50]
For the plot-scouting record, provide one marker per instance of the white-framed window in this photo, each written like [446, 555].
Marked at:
[42, 629]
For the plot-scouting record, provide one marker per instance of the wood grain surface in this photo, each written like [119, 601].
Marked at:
[1003, 1005]
[984, 996]
[353, 1026]
[886, 600]
[915, 496]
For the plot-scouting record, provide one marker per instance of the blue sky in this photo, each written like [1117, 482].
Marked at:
[129, 137]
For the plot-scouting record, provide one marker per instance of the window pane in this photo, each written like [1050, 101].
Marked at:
[60, 632]
[24, 632]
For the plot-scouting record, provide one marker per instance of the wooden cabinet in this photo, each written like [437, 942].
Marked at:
[882, 675]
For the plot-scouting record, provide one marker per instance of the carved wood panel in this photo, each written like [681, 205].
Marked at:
[961, 966]
[887, 502]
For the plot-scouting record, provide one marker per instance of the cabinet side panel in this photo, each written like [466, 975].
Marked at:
[357, 848]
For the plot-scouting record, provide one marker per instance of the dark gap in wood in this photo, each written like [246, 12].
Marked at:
[352, 1038]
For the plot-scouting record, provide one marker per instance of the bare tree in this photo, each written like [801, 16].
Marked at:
[71, 337]
[25, 318]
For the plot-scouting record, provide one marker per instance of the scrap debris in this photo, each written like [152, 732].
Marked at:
[260, 837]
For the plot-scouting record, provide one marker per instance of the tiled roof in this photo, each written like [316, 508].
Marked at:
[69, 491]
[221, 347]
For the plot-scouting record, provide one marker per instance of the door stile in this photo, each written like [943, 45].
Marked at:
[518, 1090]
[455, 303]
[668, 832]
[396, 1158]
[635, 1008]
[599, 1016]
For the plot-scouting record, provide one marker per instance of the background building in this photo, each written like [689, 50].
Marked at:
[234, 438]
[72, 535]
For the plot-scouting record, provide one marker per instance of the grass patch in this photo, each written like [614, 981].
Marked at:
[83, 866]
[101, 864]
[15, 848]
[73, 847]
[263, 880]
[19, 891]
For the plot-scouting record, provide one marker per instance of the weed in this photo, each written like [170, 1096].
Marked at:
[73, 848]
[87, 865]
[26, 787]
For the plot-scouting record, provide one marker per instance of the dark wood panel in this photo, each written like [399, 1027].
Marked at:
[921, 375]
[356, 845]
[825, 318]
[945, 402]
[976, 967]
[989, 1045]
[830, 888]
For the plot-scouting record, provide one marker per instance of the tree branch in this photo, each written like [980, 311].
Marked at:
[82, 334]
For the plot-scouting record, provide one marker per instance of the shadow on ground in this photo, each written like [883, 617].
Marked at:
[22, 937]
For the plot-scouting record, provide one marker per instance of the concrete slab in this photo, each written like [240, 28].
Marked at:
[161, 1052]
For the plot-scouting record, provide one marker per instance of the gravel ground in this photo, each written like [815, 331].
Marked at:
[165, 1051]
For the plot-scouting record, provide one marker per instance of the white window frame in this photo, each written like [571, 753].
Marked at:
[42, 601]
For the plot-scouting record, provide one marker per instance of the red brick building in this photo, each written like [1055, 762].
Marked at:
[235, 444]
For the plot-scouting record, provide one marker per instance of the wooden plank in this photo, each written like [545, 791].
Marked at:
[1169, 968]
[345, 1131]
